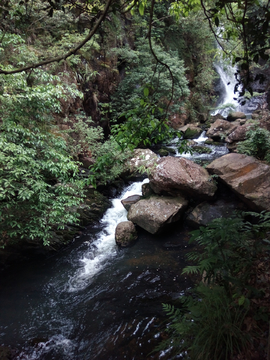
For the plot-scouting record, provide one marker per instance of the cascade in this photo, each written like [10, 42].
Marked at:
[228, 97]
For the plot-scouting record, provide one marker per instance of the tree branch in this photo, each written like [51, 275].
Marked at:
[155, 56]
[69, 53]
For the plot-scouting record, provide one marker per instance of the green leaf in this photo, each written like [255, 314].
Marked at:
[141, 9]
[146, 91]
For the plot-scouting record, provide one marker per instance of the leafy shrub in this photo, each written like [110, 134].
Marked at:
[110, 162]
[84, 139]
[38, 183]
[257, 144]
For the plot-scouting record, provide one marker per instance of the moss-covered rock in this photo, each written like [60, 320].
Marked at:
[201, 149]
[163, 152]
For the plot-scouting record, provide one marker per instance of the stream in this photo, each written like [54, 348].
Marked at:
[93, 300]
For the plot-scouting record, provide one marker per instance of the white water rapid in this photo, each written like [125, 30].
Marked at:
[104, 248]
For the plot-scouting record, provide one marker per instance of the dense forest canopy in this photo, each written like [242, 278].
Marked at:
[118, 74]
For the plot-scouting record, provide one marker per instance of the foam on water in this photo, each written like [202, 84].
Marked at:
[104, 247]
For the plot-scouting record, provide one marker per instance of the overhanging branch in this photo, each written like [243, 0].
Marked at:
[69, 53]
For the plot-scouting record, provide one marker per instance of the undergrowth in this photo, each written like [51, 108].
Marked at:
[225, 316]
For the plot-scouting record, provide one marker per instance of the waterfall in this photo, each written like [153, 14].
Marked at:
[228, 100]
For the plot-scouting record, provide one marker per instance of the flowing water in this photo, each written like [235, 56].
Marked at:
[216, 150]
[92, 300]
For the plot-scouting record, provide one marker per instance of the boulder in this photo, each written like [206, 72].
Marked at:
[125, 234]
[239, 134]
[205, 212]
[248, 177]
[181, 176]
[232, 116]
[142, 157]
[191, 131]
[220, 129]
[130, 200]
[216, 117]
[154, 213]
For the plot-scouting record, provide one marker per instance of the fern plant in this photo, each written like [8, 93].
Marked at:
[210, 323]
[206, 326]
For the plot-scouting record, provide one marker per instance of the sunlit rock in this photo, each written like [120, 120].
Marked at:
[181, 176]
[156, 212]
[248, 177]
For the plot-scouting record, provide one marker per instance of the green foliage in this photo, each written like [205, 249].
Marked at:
[145, 79]
[143, 96]
[38, 185]
[206, 326]
[257, 143]
[110, 162]
[211, 322]
[142, 127]
[84, 139]
[38, 180]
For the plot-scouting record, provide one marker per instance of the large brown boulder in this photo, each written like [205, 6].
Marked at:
[248, 177]
[125, 234]
[181, 176]
[221, 128]
[239, 134]
[154, 213]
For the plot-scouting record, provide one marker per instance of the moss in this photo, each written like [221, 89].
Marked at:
[191, 133]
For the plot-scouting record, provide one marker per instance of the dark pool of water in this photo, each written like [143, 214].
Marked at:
[117, 314]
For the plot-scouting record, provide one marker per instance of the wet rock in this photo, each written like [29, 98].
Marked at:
[203, 117]
[205, 212]
[147, 190]
[130, 200]
[248, 177]
[220, 129]
[125, 234]
[236, 115]
[155, 213]
[181, 176]
[191, 131]
[142, 158]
